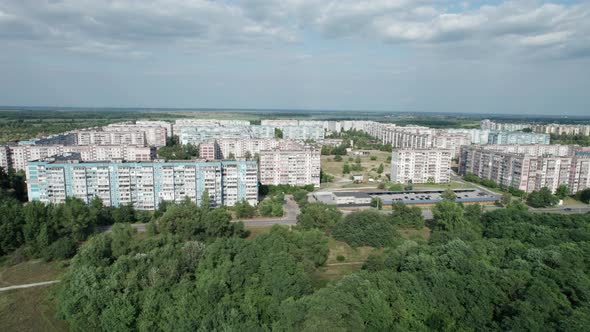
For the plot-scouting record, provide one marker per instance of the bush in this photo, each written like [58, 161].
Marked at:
[63, 248]
[340, 258]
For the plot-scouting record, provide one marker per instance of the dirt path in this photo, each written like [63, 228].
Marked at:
[43, 283]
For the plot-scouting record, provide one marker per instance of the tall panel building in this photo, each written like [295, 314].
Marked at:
[421, 166]
[294, 166]
[528, 167]
[143, 184]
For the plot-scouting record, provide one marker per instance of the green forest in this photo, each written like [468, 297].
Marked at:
[195, 270]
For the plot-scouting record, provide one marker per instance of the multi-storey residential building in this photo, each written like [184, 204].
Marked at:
[154, 135]
[100, 137]
[70, 138]
[5, 157]
[478, 136]
[181, 123]
[241, 147]
[143, 184]
[195, 135]
[529, 167]
[283, 165]
[16, 156]
[497, 126]
[517, 137]
[315, 133]
[450, 141]
[209, 151]
[151, 123]
[562, 129]
[421, 166]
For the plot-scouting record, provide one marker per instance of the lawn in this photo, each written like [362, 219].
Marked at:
[257, 230]
[412, 233]
[334, 269]
[30, 309]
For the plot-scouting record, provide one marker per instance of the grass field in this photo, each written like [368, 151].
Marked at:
[412, 233]
[30, 309]
[257, 230]
[334, 270]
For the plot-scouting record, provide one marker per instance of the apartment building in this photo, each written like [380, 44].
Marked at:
[562, 129]
[421, 165]
[69, 138]
[181, 123]
[528, 168]
[154, 135]
[100, 137]
[241, 147]
[303, 133]
[477, 136]
[151, 123]
[517, 137]
[290, 165]
[143, 184]
[198, 134]
[209, 151]
[498, 126]
[16, 156]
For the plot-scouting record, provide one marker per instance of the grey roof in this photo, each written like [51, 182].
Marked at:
[355, 194]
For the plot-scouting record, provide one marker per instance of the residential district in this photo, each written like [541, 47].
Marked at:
[119, 162]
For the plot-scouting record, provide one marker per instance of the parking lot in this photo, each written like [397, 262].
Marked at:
[433, 196]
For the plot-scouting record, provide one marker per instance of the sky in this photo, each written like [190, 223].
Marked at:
[498, 57]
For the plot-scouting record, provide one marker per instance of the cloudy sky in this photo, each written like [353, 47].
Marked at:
[522, 57]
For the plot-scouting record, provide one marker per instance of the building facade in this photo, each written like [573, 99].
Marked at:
[297, 167]
[16, 156]
[517, 137]
[528, 168]
[421, 166]
[142, 184]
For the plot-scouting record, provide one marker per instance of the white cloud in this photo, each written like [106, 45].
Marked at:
[119, 25]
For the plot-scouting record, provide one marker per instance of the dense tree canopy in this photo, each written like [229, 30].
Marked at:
[366, 228]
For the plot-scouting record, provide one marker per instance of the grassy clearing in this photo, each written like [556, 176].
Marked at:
[31, 272]
[412, 233]
[257, 230]
[572, 201]
[29, 309]
[339, 248]
[369, 166]
[334, 270]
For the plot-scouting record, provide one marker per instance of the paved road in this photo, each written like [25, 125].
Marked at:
[43, 283]
[563, 210]
[291, 210]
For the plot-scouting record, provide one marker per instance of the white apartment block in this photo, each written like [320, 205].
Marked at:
[143, 184]
[100, 137]
[421, 166]
[196, 135]
[498, 126]
[529, 167]
[240, 147]
[562, 129]
[154, 135]
[16, 156]
[182, 123]
[296, 167]
[303, 133]
[478, 136]
[151, 123]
